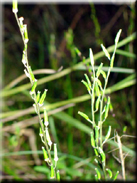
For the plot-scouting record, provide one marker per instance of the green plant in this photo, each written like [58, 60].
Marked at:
[38, 101]
[25, 118]
[101, 104]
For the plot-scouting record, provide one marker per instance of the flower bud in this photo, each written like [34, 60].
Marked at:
[55, 153]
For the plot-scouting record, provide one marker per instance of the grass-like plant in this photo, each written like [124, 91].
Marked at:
[101, 104]
[38, 101]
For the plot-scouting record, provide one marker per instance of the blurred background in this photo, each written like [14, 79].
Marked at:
[54, 31]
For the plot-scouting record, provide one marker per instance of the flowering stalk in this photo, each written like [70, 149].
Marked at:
[97, 90]
[38, 100]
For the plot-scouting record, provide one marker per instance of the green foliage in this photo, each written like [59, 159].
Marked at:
[97, 89]
[51, 45]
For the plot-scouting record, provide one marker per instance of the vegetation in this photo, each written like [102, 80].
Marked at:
[110, 111]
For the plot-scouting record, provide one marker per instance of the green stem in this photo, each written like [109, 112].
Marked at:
[37, 105]
[93, 99]
[101, 106]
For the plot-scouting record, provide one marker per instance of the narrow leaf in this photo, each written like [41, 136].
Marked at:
[105, 51]
[97, 103]
[88, 80]
[108, 133]
[97, 89]
[117, 36]
[83, 115]
[103, 74]
[86, 85]
[99, 69]
[91, 57]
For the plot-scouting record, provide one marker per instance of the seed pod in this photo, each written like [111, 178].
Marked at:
[111, 107]
[103, 157]
[52, 172]
[112, 60]
[38, 96]
[14, 6]
[117, 36]
[45, 118]
[97, 89]
[107, 107]
[88, 80]
[78, 52]
[58, 175]
[103, 74]
[91, 57]
[116, 41]
[48, 138]
[83, 115]
[43, 97]
[109, 172]
[55, 153]
[98, 82]
[86, 85]
[45, 154]
[92, 139]
[98, 174]
[97, 102]
[31, 74]
[99, 69]
[116, 175]
[33, 87]
[96, 134]
[40, 132]
[108, 133]
[105, 51]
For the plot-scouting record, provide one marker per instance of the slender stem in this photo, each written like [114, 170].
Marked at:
[93, 99]
[16, 16]
[101, 106]
[37, 105]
